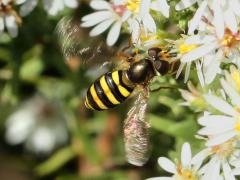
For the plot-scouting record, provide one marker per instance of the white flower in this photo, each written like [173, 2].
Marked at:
[193, 98]
[108, 14]
[233, 78]
[222, 14]
[229, 125]
[38, 124]
[141, 22]
[222, 131]
[9, 18]
[210, 51]
[186, 169]
[136, 13]
[53, 7]
[224, 161]
[181, 49]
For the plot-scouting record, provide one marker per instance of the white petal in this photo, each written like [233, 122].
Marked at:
[144, 7]
[227, 172]
[26, 8]
[218, 19]
[231, 92]
[235, 6]
[200, 157]
[199, 39]
[180, 69]
[126, 15]
[114, 33]
[220, 105]
[101, 27]
[167, 165]
[199, 52]
[162, 6]
[221, 138]
[236, 171]
[210, 131]
[19, 1]
[183, 4]
[97, 15]
[230, 20]
[53, 6]
[200, 73]
[213, 120]
[42, 141]
[186, 155]
[11, 25]
[134, 29]
[19, 126]
[211, 70]
[100, 5]
[71, 3]
[149, 23]
[193, 24]
[187, 71]
[235, 163]
[212, 171]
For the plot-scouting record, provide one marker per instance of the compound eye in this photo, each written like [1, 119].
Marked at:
[162, 66]
[154, 52]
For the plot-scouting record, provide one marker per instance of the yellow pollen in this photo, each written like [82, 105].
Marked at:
[237, 126]
[183, 48]
[229, 40]
[148, 38]
[236, 77]
[226, 149]
[185, 174]
[133, 5]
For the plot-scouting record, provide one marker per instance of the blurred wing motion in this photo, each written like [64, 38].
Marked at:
[75, 42]
[136, 131]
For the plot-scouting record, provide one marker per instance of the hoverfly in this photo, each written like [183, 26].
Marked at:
[115, 87]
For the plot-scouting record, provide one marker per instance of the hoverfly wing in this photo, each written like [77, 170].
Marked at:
[136, 131]
[75, 43]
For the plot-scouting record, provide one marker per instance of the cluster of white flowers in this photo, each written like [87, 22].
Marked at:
[135, 13]
[39, 124]
[212, 40]
[11, 19]
[217, 39]
[220, 159]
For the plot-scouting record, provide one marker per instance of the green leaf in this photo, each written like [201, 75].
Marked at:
[5, 38]
[56, 161]
[185, 129]
[5, 54]
[31, 68]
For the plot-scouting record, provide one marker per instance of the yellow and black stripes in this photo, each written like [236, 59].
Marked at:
[107, 92]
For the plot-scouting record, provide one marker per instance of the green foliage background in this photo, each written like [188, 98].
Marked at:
[33, 63]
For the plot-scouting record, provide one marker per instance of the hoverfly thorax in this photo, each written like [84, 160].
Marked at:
[141, 71]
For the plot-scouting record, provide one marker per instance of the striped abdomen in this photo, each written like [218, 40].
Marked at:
[107, 92]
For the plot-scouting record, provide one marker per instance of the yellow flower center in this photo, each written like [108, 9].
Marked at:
[229, 39]
[184, 48]
[224, 150]
[145, 38]
[133, 5]
[185, 174]
[236, 77]
[237, 125]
